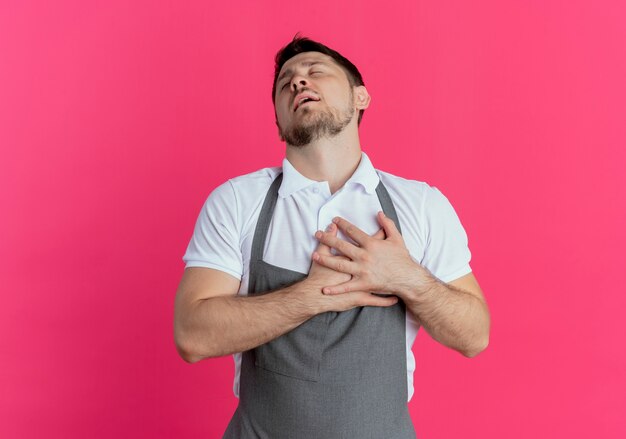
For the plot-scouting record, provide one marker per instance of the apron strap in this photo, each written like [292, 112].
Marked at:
[387, 204]
[267, 210]
[263, 225]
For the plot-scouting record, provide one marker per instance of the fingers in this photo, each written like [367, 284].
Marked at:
[368, 299]
[346, 248]
[388, 225]
[354, 284]
[380, 234]
[345, 302]
[352, 231]
[337, 263]
[322, 248]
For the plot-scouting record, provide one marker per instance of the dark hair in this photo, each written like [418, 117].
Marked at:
[302, 44]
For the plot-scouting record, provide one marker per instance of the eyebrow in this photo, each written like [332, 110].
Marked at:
[290, 71]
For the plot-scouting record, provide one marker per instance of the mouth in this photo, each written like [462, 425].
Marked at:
[305, 104]
[303, 99]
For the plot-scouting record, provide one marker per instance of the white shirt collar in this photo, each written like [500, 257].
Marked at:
[293, 181]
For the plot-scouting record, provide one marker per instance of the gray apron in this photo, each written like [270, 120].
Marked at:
[337, 375]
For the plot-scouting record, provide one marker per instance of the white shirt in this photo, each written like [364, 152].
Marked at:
[222, 237]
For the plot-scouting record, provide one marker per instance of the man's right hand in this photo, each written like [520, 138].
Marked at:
[321, 276]
[211, 320]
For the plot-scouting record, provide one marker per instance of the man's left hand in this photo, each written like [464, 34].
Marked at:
[377, 264]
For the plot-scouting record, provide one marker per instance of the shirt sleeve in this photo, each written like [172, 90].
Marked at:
[447, 254]
[215, 240]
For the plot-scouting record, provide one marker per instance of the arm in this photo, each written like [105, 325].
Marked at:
[210, 320]
[454, 314]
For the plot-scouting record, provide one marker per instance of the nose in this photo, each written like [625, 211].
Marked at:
[298, 82]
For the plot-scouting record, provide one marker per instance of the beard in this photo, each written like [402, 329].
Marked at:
[310, 127]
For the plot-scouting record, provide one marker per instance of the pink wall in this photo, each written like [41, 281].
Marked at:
[118, 118]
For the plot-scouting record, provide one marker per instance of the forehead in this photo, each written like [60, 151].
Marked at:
[305, 59]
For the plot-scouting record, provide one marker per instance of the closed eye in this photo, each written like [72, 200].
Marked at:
[311, 73]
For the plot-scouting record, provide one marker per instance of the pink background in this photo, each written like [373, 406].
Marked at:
[118, 118]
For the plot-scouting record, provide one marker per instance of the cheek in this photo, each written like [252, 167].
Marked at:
[341, 101]
[281, 110]
[341, 96]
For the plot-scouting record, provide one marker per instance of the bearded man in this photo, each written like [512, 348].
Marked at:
[318, 274]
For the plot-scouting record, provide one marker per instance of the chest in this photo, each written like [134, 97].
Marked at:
[290, 239]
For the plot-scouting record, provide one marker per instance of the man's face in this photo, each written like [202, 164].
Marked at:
[313, 98]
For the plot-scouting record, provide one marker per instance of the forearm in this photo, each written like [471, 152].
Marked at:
[227, 324]
[451, 316]
[457, 318]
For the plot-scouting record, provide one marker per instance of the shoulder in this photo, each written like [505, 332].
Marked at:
[259, 179]
[418, 199]
[236, 200]
[246, 188]
[404, 190]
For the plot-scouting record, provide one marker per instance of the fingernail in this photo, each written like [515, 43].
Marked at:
[330, 227]
[318, 234]
[336, 219]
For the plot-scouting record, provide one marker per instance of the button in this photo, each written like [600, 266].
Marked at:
[316, 190]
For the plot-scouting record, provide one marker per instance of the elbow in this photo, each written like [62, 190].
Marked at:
[192, 351]
[185, 353]
[185, 348]
[479, 346]
[480, 340]
[188, 355]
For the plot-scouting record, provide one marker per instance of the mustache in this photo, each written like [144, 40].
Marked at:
[302, 90]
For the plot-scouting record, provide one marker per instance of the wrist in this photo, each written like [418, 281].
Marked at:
[311, 297]
[417, 284]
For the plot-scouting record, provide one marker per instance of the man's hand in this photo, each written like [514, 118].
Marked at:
[376, 264]
[320, 276]
[457, 318]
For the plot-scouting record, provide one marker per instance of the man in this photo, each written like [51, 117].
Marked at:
[322, 322]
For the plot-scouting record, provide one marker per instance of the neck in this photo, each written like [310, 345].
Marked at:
[332, 159]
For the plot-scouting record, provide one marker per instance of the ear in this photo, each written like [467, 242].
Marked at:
[361, 97]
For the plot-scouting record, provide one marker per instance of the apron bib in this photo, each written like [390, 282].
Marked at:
[337, 375]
